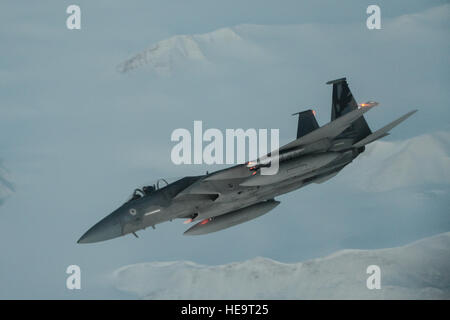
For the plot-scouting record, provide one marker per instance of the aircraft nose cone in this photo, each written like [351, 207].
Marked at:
[106, 229]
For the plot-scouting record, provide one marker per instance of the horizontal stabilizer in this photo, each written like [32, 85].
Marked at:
[383, 131]
[330, 130]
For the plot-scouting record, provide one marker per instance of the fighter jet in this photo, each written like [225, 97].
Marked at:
[225, 198]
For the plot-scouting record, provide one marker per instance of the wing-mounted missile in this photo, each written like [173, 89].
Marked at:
[231, 219]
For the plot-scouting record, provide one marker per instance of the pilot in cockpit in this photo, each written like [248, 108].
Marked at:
[138, 193]
[148, 189]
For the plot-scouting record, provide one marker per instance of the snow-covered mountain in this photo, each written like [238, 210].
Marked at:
[6, 187]
[394, 172]
[420, 270]
[247, 42]
[163, 56]
[419, 161]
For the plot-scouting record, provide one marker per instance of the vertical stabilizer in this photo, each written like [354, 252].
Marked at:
[306, 122]
[344, 102]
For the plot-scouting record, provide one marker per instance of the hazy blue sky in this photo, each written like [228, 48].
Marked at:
[78, 137]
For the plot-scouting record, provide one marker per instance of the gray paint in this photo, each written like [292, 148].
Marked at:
[241, 189]
[76, 136]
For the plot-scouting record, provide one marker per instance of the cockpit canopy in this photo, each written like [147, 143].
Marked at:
[148, 189]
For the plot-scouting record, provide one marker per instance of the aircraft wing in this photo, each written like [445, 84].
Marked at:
[330, 130]
[383, 131]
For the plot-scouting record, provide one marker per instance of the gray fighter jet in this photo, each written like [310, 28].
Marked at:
[228, 197]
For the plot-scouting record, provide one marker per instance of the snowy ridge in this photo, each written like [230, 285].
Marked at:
[239, 41]
[416, 271]
[166, 54]
[421, 160]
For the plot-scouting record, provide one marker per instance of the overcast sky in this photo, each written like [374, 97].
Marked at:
[77, 136]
